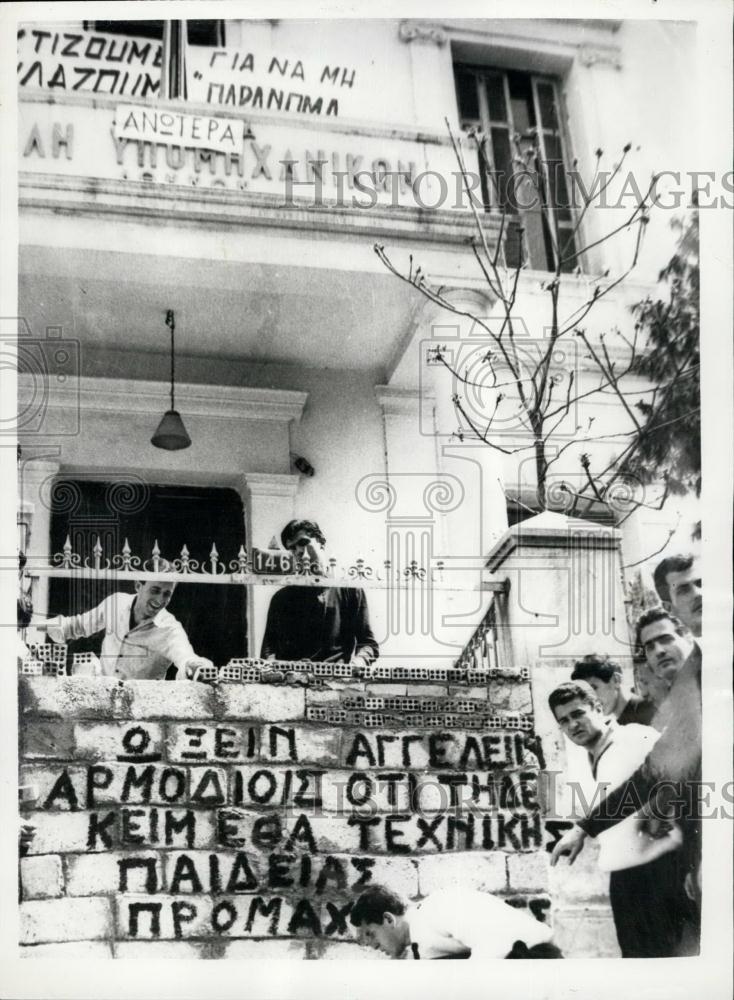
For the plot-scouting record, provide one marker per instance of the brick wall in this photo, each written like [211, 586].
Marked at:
[242, 820]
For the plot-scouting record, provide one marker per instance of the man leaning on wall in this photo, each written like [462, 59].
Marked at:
[324, 624]
[142, 638]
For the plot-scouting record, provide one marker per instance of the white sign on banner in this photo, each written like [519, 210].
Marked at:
[151, 124]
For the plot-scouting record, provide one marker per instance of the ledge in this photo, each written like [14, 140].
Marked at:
[124, 395]
[57, 193]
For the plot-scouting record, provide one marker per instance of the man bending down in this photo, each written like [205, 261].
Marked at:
[455, 923]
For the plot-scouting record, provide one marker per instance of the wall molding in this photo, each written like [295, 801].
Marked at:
[131, 396]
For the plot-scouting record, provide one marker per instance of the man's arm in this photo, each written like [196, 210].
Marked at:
[366, 645]
[181, 653]
[62, 628]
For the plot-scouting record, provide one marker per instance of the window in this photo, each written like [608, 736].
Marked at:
[214, 616]
[516, 111]
[199, 32]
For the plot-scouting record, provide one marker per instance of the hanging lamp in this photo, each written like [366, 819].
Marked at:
[171, 433]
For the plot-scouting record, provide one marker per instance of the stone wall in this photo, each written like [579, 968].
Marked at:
[241, 820]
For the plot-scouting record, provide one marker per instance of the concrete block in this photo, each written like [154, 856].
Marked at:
[129, 827]
[133, 742]
[388, 750]
[261, 701]
[47, 738]
[41, 876]
[528, 872]
[313, 790]
[105, 874]
[199, 742]
[82, 919]
[520, 698]
[202, 916]
[74, 787]
[331, 834]
[398, 874]
[163, 700]
[383, 690]
[152, 951]
[60, 786]
[67, 697]
[59, 832]
[424, 690]
[301, 744]
[215, 872]
[471, 871]
[323, 696]
[71, 951]
[585, 932]
[581, 882]
[371, 792]
[469, 693]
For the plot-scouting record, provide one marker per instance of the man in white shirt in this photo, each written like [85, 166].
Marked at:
[455, 923]
[141, 639]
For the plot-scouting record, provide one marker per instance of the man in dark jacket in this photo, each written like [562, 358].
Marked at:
[325, 624]
[605, 677]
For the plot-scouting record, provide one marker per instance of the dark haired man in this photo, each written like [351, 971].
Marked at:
[456, 923]
[605, 677]
[678, 583]
[325, 624]
[665, 642]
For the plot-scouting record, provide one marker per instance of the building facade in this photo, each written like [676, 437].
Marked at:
[251, 208]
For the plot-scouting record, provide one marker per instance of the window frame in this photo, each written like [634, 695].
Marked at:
[551, 224]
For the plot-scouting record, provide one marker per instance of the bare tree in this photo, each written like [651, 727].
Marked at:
[531, 384]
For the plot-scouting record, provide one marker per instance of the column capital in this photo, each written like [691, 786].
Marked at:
[422, 31]
[269, 484]
[606, 55]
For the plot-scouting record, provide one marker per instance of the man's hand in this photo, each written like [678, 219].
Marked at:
[198, 666]
[571, 843]
[360, 665]
[53, 629]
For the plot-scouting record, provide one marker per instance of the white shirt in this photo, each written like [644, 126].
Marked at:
[144, 652]
[615, 759]
[620, 752]
[450, 922]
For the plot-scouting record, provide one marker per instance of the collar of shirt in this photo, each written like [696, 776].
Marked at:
[606, 739]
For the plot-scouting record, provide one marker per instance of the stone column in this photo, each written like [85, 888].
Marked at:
[471, 529]
[269, 501]
[430, 61]
[35, 481]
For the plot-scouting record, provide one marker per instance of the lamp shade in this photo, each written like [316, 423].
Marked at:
[171, 433]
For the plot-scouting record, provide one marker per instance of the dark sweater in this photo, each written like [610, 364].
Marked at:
[637, 710]
[320, 624]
